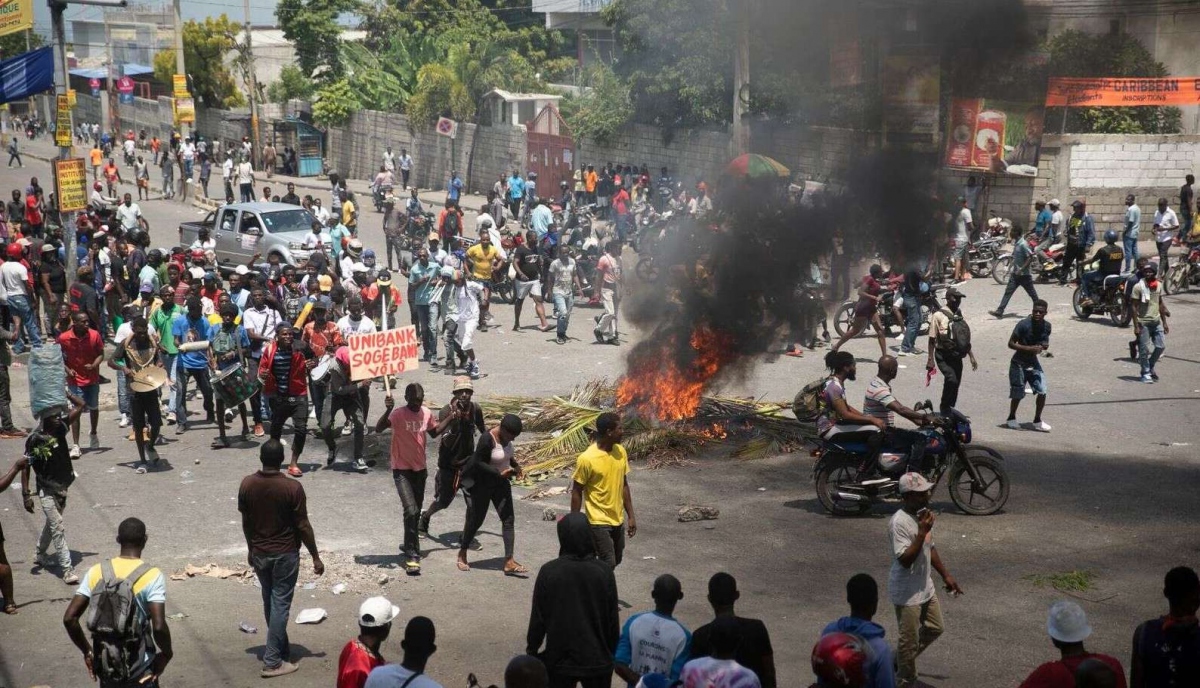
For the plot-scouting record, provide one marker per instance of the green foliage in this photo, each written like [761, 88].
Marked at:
[205, 45]
[602, 111]
[334, 103]
[1078, 54]
[439, 93]
[1069, 581]
[13, 44]
[292, 84]
[312, 27]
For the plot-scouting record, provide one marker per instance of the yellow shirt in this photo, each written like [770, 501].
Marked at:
[481, 262]
[602, 475]
[149, 588]
[348, 214]
[97, 157]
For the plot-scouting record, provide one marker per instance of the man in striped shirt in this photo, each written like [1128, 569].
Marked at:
[881, 403]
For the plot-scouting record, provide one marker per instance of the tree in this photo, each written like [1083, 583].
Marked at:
[292, 84]
[13, 44]
[312, 27]
[1078, 54]
[603, 110]
[205, 45]
[439, 94]
[334, 103]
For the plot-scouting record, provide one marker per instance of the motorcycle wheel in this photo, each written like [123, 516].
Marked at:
[1119, 313]
[1081, 311]
[647, 270]
[1000, 269]
[504, 291]
[991, 496]
[843, 318]
[834, 472]
[1176, 281]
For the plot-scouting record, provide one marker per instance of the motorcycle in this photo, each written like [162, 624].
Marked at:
[848, 483]
[652, 228]
[416, 231]
[844, 316]
[379, 196]
[998, 226]
[1110, 301]
[1002, 264]
[1184, 273]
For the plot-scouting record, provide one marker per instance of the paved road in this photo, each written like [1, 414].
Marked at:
[1108, 491]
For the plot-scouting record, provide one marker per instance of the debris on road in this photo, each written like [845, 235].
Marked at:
[247, 628]
[698, 513]
[549, 514]
[311, 616]
[543, 492]
[339, 588]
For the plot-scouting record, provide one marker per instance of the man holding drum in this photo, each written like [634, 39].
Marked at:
[231, 381]
[138, 357]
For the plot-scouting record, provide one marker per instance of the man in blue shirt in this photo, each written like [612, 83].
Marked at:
[423, 276]
[1029, 338]
[540, 218]
[193, 327]
[862, 592]
[1041, 223]
[516, 192]
[1133, 224]
[654, 642]
[1018, 273]
[455, 187]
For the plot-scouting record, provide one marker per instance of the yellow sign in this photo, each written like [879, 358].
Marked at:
[62, 122]
[71, 98]
[70, 184]
[180, 85]
[185, 111]
[15, 15]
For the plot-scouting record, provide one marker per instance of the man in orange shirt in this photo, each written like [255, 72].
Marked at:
[97, 157]
[589, 183]
[112, 175]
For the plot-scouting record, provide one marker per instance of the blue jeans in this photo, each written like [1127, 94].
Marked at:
[1014, 281]
[19, 305]
[1131, 252]
[1151, 345]
[169, 363]
[1092, 280]
[425, 324]
[912, 322]
[563, 303]
[122, 393]
[277, 574]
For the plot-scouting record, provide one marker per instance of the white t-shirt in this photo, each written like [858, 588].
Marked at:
[1056, 221]
[128, 215]
[188, 151]
[960, 225]
[245, 173]
[321, 213]
[262, 323]
[708, 672]
[128, 146]
[406, 162]
[389, 161]
[227, 168]
[1167, 224]
[394, 676]
[467, 298]
[563, 276]
[347, 265]
[13, 278]
[349, 327]
[913, 585]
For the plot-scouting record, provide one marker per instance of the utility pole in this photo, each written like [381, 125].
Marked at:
[106, 104]
[254, 136]
[180, 67]
[741, 83]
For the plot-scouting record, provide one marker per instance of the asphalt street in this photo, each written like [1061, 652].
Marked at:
[1110, 491]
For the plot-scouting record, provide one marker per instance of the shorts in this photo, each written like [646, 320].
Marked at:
[485, 283]
[1020, 375]
[865, 308]
[143, 183]
[524, 289]
[958, 250]
[466, 333]
[90, 395]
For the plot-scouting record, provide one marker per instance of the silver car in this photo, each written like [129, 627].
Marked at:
[242, 230]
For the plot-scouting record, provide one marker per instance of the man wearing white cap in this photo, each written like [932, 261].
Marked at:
[910, 585]
[361, 655]
[1068, 626]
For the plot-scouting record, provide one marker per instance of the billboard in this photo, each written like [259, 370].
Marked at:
[1084, 92]
[15, 15]
[70, 184]
[996, 136]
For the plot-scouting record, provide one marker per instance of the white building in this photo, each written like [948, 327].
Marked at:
[595, 40]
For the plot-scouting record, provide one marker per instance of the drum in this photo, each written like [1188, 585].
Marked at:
[148, 379]
[198, 345]
[321, 370]
[233, 385]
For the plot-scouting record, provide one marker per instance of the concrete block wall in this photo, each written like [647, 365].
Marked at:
[692, 154]
[498, 151]
[356, 148]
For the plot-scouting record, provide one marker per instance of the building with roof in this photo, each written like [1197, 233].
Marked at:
[504, 107]
[594, 40]
[136, 35]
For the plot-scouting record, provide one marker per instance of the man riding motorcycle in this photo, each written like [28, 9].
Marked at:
[879, 402]
[1109, 257]
[1049, 235]
[839, 421]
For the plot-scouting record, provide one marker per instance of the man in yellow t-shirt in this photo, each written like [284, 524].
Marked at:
[97, 157]
[600, 486]
[483, 258]
[349, 214]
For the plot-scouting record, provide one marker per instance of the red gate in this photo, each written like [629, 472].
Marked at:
[550, 151]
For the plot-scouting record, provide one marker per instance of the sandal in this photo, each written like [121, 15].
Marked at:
[11, 609]
[517, 570]
[294, 471]
[462, 566]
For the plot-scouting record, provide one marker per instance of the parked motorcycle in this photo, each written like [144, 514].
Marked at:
[844, 316]
[1002, 265]
[1110, 301]
[849, 483]
[1184, 273]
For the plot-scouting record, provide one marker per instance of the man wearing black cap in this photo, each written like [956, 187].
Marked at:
[949, 344]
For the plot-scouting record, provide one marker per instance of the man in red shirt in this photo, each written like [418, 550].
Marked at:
[1068, 627]
[620, 203]
[83, 351]
[283, 372]
[361, 655]
[33, 212]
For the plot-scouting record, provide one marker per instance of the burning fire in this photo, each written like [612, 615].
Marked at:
[658, 387]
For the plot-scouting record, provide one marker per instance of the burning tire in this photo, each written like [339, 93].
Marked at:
[647, 270]
[832, 473]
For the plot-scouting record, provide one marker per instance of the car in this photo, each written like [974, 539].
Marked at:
[242, 230]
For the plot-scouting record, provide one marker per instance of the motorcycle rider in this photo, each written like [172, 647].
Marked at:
[1050, 235]
[381, 186]
[1110, 257]
[838, 419]
[1081, 234]
[879, 402]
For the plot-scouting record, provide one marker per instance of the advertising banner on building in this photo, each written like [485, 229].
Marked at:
[185, 111]
[15, 15]
[1080, 92]
[70, 184]
[26, 74]
[999, 137]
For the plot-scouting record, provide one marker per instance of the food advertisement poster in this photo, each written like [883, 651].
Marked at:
[1000, 137]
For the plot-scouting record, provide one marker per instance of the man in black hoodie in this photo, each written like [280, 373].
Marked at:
[575, 611]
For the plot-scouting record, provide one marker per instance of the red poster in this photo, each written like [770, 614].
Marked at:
[960, 145]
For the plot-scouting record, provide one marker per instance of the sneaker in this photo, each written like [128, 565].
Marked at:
[473, 371]
[69, 577]
[229, 415]
[599, 336]
[996, 314]
[1041, 426]
[14, 434]
[141, 469]
[180, 428]
[423, 526]
[561, 340]
[903, 352]
[75, 452]
[361, 466]
[412, 565]
[283, 669]
[171, 419]
[1012, 424]
[93, 442]
[124, 421]
[1147, 379]
[331, 457]
[347, 429]
[1154, 376]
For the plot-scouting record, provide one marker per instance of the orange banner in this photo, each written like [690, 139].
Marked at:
[1075, 92]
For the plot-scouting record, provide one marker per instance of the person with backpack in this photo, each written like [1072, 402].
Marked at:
[949, 344]
[450, 221]
[127, 597]
[1166, 649]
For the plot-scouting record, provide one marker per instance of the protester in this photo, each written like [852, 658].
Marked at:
[564, 276]
[361, 655]
[343, 394]
[135, 356]
[963, 229]
[192, 327]
[1108, 259]
[609, 269]
[485, 479]
[1166, 228]
[574, 611]
[462, 419]
[83, 351]
[600, 487]
[1166, 650]
[870, 295]
[283, 373]
[754, 651]
[1150, 324]
[145, 643]
[275, 522]
[15, 286]
[1133, 224]
[467, 294]
[949, 343]
[654, 642]
[862, 594]
[910, 583]
[1068, 628]
[418, 646]
[719, 669]
[8, 431]
[229, 349]
[881, 403]
[1019, 274]
[838, 418]
[1080, 235]
[1029, 338]
[46, 452]
[6, 573]
[527, 263]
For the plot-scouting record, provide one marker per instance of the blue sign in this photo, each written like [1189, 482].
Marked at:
[126, 98]
[26, 74]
